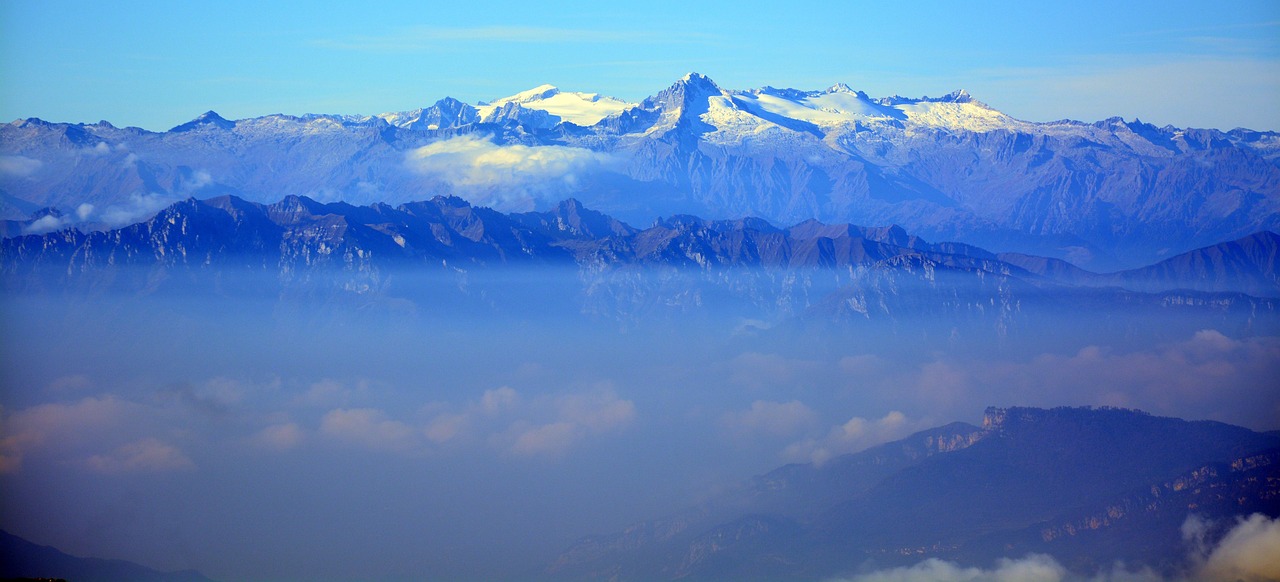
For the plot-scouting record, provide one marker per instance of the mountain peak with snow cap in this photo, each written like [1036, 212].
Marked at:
[210, 117]
[686, 91]
[584, 109]
[538, 93]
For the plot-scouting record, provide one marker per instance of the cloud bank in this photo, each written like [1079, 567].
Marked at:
[505, 177]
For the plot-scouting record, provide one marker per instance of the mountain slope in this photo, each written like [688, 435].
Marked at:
[953, 492]
[23, 559]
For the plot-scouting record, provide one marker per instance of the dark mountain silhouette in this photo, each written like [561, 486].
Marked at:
[23, 559]
[1087, 486]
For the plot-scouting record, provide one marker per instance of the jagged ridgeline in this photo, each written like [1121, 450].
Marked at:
[1090, 487]
[445, 254]
[1106, 195]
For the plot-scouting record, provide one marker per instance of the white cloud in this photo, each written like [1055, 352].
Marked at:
[855, 435]
[510, 177]
[325, 392]
[548, 439]
[279, 437]
[772, 418]
[757, 370]
[446, 427]
[84, 211]
[1250, 552]
[55, 423]
[419, 38]
[46, 223]
[368, 427]
[138, 208]
[598, 411]
[19, 166]
[1033, 568]
[499, 399]
[197, 180]
[550, 427]
[149, 455]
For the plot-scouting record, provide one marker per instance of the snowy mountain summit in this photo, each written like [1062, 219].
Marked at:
[1107, 194]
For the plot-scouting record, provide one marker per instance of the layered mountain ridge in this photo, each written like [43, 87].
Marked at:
[605, 268]
[1118, 487]
[1104, 195]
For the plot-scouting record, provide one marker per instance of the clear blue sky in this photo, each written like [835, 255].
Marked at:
[157, 64]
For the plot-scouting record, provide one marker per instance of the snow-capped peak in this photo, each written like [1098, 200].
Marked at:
[955, 110]
[207, 118]
[838, 105]
[583, 109]
[535, 94]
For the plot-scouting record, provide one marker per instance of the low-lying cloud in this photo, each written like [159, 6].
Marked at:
[1249, 552]
[855, 435]
[505, 177]
[19, 166]
[137, 208]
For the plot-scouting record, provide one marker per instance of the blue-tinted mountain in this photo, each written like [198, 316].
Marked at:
[445, 254]
[1106, 195]
[1082, 485]
[23, 559]
[1249, 265]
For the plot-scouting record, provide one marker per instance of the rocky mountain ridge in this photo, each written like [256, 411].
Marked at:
[948, 493]
[1109, 194]
[445, 255]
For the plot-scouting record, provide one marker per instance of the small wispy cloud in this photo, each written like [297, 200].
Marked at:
[279, 437]
[1222, 89]
[771, 418]
[551, 427]
[19, 166]
[369, 428]
[418, 38]
[854, 435]
[146, 455]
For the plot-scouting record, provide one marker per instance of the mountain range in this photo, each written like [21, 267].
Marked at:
[24, 560]
[1107, 195]
[1089, 487]
[447, 255]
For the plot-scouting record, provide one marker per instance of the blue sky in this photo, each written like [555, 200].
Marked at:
[157, 64]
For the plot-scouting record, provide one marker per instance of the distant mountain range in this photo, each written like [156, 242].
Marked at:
[606, 268]
[26, 561]
[1105, 195]
[1090, 487]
